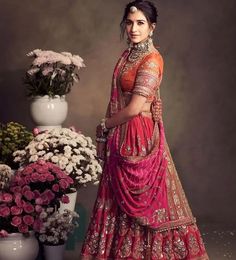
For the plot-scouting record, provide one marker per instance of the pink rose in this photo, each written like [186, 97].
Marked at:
[3, 233]
[18, 200]
[69, 180]
[42, 169]
[55, 187]
[38, 208]
[41, 162]
[27, 170]
[35, 177]
[28, 179]
[28, 208]
[16, 221]
[6, 197]
[25, 188]
[37, 225]
[42, 178]
[28, 220]
[21, 182]
[46, 199]
[50, 195]
[36, 194]
[63, 184]
[50, 177]
[36, 131]
[23, 228]
[29, 195]
[65, 199]
[15, 189]
[39, 201]
[16, 210]
[4, 211]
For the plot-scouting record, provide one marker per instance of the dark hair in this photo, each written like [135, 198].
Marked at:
[148, 9]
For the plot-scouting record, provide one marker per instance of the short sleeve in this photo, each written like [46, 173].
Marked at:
[149, 75]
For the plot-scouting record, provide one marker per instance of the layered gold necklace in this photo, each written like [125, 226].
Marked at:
[138, 50]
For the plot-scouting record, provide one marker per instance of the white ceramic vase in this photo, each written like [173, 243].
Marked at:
[18, 247]
[47, 112]
[71, 205]
[54, 252]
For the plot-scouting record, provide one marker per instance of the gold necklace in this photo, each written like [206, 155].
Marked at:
[138, 50]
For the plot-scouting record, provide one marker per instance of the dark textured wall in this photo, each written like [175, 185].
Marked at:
[196, 39]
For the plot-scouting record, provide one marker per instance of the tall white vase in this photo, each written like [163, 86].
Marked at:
[18, 247]
[48, 113]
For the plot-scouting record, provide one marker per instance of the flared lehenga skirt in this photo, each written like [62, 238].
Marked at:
[112, 234]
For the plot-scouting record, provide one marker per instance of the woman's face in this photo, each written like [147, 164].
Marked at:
[137, 27]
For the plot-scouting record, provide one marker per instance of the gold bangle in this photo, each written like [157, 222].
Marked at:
[103, 125]
[101, 139]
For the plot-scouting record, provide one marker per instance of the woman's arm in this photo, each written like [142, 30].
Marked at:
[131, 110]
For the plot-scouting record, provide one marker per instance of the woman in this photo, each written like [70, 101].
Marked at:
[141, 211]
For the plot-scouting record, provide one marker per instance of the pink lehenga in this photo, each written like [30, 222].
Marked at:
[141, 211]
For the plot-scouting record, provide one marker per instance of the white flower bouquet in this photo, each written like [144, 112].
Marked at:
[71, 151]
[52, 73]
[56, 227]
[5, 176]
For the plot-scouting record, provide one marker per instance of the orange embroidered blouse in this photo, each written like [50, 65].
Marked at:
[143, 76]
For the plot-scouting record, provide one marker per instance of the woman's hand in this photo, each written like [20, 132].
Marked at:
[99, 131]
[101, 150]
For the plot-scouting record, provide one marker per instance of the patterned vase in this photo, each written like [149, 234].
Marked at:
[18, 247]
[47, 112]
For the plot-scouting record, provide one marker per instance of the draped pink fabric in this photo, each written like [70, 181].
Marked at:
[141, 211]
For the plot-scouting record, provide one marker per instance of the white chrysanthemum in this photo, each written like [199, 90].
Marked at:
[39, 137]
[79, 172]
[61, 165]
[40, 146]
[69, 168]
[77, 151]
[87, 177]
[33, 158]
[41, 153]
[47, 156]
[32, 151]
[54, 159]
[67, 149]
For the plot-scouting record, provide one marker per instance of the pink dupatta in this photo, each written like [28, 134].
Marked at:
[138, 183]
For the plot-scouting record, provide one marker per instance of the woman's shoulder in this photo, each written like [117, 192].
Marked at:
[153, 55]
[152, 59]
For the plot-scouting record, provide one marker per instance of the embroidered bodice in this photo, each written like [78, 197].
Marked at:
[143, 75]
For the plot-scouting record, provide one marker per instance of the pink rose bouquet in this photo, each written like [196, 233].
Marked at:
[32, 189]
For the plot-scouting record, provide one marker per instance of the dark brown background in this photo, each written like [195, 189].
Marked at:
[196, 39]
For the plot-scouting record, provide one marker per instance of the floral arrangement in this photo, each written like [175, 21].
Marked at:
[13, 136]
[5, 176]
[37, 186]
[71, 151]
[52, 73]
[56, 227]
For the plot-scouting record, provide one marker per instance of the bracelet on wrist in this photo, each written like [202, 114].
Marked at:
[101, 139]
[103, 125]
